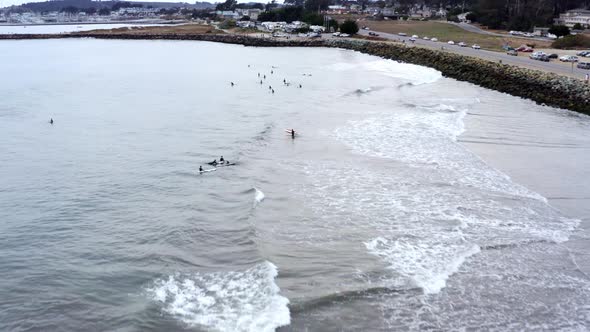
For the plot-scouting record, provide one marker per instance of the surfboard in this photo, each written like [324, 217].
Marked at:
[207, 170]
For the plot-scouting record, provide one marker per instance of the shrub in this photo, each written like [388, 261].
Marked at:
[577, 41]
[350, 27]
[559, 30]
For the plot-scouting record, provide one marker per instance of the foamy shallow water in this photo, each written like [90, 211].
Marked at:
[377, 216]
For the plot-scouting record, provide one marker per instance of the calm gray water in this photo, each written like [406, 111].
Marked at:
[407, 201]
[65, 28]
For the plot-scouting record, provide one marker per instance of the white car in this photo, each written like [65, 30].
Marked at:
[475, 47]
[412, 39]
[462, 44]
[402, 34]
[425, 38]
[569, 58]
[415, 36]
[344, 35]
[434, 39]
[450, 42]
[336, 34]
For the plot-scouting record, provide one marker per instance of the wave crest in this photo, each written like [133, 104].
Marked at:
[225, 301]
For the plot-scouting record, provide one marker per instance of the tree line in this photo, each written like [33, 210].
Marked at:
[520, 15]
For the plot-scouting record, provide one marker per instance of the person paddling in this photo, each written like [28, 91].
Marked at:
[200, 168]
[292, 133]
[221, 160]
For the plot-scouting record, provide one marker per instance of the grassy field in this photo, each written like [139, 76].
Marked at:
[445, 32]
[164, 29]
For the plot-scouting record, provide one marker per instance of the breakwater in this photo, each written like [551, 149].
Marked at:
[541, 87]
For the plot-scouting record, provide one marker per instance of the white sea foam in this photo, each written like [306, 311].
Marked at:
[439, 205]
[225, 301]
[415, 74]
[425, 136]
[427, 264]
[259, 195]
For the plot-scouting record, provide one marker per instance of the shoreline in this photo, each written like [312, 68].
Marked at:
[544, 88]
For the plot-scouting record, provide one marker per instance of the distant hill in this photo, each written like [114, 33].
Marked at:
[57, 5]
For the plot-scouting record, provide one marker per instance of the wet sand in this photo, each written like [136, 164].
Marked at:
[546, 152]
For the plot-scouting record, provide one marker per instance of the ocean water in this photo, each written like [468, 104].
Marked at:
[64, 28]
[406, 201]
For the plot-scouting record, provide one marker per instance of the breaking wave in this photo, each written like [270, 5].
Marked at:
[426, 218]
[225, 301]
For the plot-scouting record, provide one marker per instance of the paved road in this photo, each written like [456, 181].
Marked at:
[522, 60]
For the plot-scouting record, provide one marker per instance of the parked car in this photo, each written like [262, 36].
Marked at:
[402, 34]
[536, 55]
[462, 44]
[450, 42]
[543, 57]
[583, 65]
[371, 33]
[434, 39]
[524, 48]
[475, 47]
[569, 58]
[553, 56]
[415, 36]
[425, 38]
[583, 53]
[512, 52]
[344, 35]
[336, 34]
[366, 28]
[412, 39]
[507, 48]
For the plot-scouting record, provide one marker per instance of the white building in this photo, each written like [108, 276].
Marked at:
[571, 17]
[463, 17]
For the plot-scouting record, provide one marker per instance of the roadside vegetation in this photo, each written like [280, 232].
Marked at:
[572, 42]
[350, 27]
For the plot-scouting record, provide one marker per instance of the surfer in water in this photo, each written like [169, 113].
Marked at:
[51, 121]
[200, 168]
[221, 160]
[292, 133]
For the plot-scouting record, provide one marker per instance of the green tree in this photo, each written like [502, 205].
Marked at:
[350, 27]
[332, 23]
[559, 30]
[315, 5]
[312, 18]
[227, 5]
[578, 26]
[70, 10]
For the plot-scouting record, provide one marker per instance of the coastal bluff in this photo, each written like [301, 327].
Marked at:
[541, 87]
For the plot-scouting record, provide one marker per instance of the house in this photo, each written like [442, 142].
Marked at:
[540, 32]
[272, 26]
[252, 13]
[228, 15]
[463, 17]
[571, 17]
